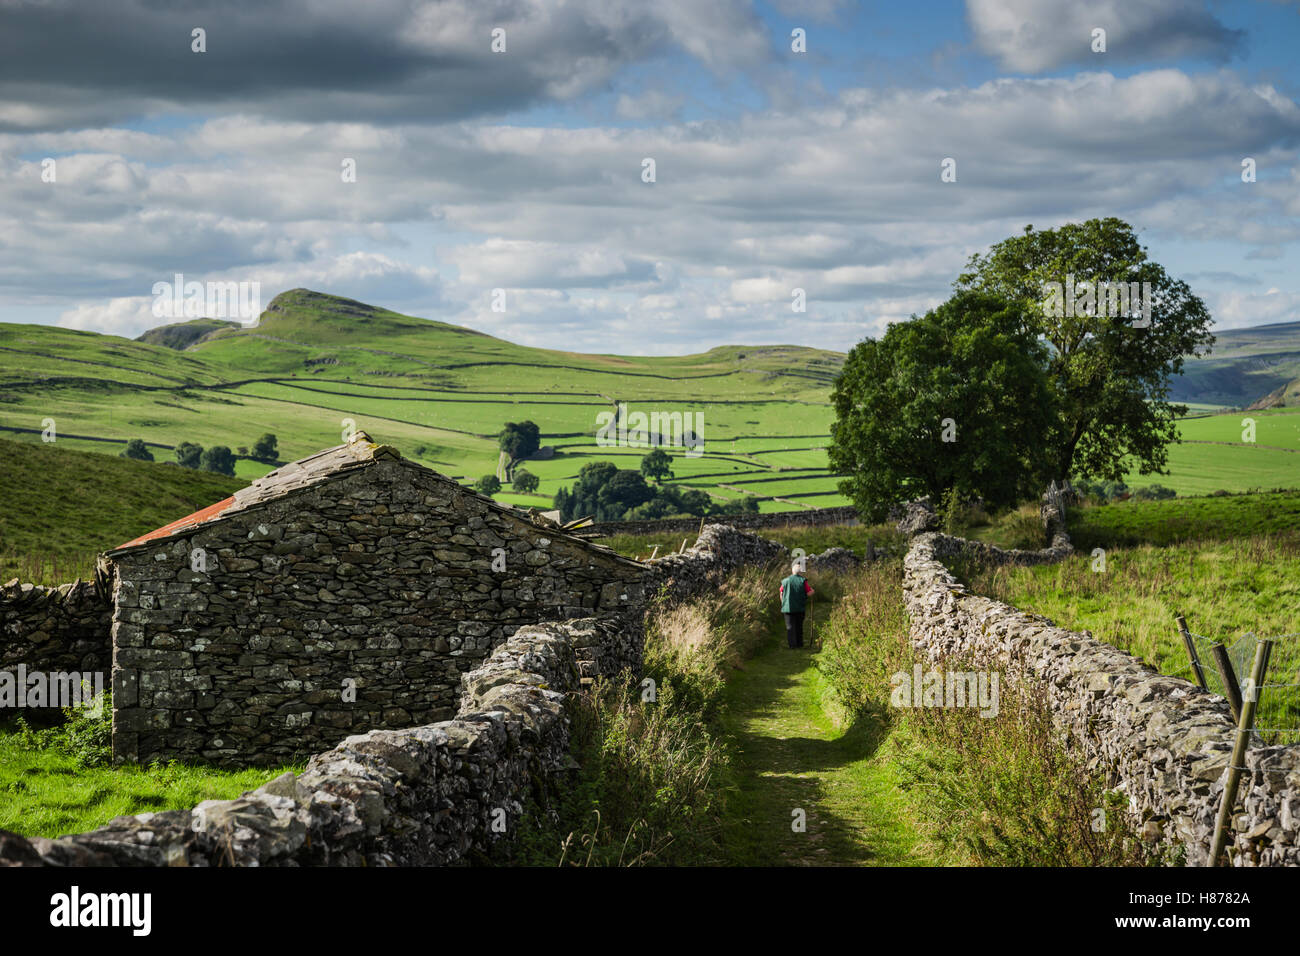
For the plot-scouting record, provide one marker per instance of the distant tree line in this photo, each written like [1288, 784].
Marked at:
[217, 459]
[606, 492]
[1107, 491]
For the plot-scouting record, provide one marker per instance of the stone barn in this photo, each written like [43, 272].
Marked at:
[344, 592]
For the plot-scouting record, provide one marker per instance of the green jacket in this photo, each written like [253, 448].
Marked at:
[794, 599]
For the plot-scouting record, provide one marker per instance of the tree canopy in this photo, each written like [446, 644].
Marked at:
[1109, 375]
[607, 493]
[218, 459]
[264, 449]
[955, 399]
[524, 481]
[137, 449]
[519, 439]
[188, 454]
[657, 465]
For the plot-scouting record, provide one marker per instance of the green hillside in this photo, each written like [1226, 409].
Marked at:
[1284, 396]
[1245, 365]
[181, 335]
[317, 365]
[62, 507]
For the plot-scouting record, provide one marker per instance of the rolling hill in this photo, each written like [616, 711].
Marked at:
[62, 506]
[1246, 365]
[316, 365]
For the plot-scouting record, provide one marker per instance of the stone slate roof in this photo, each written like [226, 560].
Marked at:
[361, 452]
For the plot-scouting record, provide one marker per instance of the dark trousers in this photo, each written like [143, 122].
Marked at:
[794, 629]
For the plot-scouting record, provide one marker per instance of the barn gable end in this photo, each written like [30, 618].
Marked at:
[346, 592]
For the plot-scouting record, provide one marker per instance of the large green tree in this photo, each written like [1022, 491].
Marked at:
[137, 449]
[524, 481]
[657, 465]
[189, 453]
[956, 399]
[519, 439]
[217, 459]
[1109, 375]
[264, 449]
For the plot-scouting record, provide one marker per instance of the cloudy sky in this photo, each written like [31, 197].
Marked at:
[522, 170]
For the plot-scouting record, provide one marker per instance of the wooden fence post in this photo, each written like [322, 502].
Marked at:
[1244, 727]
[1191, 652]
[1231, 689]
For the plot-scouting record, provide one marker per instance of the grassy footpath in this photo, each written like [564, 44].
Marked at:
[790, 755]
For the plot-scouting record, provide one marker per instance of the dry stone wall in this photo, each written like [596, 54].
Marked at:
[719, 550]
[1161, 740]
[808, 517]
[429, 795]
[59, 630]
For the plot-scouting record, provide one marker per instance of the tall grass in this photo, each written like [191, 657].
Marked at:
[47, 568]
[863, 642]
[650, 752]
[1223, 588]
[1002, 790]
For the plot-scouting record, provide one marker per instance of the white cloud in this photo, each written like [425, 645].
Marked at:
[1034, 36]
[1233, 310]
[124, 316]
[651, 104]
[844, 201]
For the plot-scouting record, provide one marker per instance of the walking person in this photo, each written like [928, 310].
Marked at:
[795, 592]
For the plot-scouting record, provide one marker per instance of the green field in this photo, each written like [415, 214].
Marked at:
[316, 365]
[1178, 521]
[1229, 591]
[49, 792]
[1230, 565]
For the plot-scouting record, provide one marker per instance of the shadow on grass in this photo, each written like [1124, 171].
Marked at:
[786, 749]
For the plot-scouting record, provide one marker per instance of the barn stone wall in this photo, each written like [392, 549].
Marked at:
[354, 604]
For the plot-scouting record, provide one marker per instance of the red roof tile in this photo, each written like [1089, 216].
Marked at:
[189, 521]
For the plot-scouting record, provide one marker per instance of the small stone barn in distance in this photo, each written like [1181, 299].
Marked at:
[344, 592]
